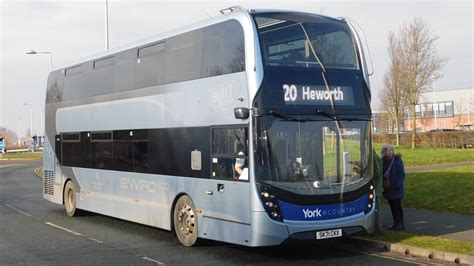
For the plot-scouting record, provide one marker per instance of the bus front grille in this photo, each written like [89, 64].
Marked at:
[48, 179]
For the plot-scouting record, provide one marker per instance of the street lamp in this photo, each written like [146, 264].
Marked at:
[106, 25]
[19, 131]
[435, 107]
[50, 57]
[31, 117]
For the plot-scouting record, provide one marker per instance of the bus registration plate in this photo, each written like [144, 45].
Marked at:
[329, 234]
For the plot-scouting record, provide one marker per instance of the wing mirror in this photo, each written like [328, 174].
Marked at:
[241, 113]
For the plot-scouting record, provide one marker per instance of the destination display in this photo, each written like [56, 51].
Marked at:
[317, 95]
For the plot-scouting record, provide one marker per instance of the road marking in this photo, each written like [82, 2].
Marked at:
[74, 233]
[95, 240]
[39, 171]
[64, 229]
[17, 210]
[152, 260]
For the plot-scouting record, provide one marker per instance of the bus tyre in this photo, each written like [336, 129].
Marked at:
[70, 199]
[185, 221]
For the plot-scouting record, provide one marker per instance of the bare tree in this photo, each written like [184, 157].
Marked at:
[392, 96]
[10, 137]
[419, 63]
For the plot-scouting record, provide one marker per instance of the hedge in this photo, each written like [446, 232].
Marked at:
[450, 139]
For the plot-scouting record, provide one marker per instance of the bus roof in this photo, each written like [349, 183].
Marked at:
[233, 13]
[154, 38]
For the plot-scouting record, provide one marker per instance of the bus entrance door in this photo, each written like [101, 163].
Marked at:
[227, 215]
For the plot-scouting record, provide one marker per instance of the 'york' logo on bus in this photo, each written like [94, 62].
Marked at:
[311, 213]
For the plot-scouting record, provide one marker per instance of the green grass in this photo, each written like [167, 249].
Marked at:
[429, 156]
[427, 242]
[445, 190]
[24, 156]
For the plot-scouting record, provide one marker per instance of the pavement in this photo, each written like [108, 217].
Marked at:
[445, 225]
[438, 224]
[420, 222]
[414, 169]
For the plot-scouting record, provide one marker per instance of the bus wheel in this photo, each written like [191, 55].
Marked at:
[70, 199]
[185, 221]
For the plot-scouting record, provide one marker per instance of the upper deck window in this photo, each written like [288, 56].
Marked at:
[73, 70]
[108, 61]
[298, 40]
[151, 49]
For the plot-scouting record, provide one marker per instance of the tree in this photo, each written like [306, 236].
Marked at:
[393, 95]
[419, 63]
[10, 137]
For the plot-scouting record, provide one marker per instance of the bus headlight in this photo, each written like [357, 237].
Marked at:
[270, 203]
[371, 200]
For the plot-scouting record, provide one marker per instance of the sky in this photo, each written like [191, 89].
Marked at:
[72, 30]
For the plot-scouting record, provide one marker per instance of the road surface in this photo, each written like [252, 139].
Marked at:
[35, 231]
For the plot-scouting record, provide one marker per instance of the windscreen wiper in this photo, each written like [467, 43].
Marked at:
[335, 118]
[286, 117]
[326, 114]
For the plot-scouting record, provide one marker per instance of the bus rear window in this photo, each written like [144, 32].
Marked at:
[297, 40]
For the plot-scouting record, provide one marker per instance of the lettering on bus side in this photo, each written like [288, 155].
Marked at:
[142, 185]
[312, 94]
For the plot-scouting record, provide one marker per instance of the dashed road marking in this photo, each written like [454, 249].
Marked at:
[95, 240]
[17, 210]
[64, 229]
[152, 260]
[74, 233]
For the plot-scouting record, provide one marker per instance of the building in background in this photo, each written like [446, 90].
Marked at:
[443, 109]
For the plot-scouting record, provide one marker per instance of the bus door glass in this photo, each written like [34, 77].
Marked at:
[229, 192]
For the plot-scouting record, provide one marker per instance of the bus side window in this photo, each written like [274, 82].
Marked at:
[229, 149]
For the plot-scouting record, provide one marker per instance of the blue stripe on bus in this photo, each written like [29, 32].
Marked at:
[323, 212]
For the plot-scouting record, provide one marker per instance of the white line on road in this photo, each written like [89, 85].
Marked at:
[95, 240]
[17, 210]
[152, 260]
[73, 232]
[64, 229]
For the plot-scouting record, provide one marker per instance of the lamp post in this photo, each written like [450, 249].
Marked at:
[33, 52]
[31, 117]
[106, 25]
[435, 107]
[50, 57]
[19, 131]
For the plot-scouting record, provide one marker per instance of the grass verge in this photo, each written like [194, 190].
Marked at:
[427, 242]
[429, 156]
[24, 156]
[445, 190]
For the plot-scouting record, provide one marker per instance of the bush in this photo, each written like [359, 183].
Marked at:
[449, 139]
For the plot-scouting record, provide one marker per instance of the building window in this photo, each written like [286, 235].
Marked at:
[428, 110]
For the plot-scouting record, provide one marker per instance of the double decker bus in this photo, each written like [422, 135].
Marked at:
[251, 128]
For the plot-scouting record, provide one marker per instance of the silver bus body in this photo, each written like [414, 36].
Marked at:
[228, 210]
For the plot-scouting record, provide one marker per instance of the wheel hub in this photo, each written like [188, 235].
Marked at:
[186, 220]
